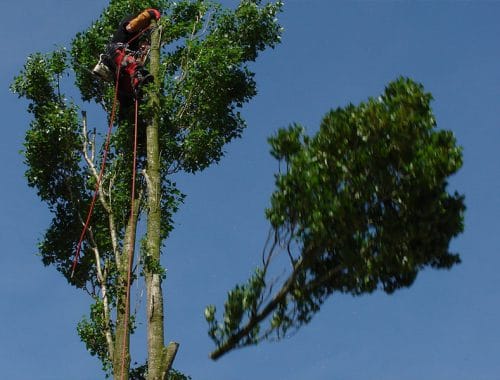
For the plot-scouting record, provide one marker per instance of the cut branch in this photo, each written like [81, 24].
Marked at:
[104, 294]
[288, 286]
[234, 340]
[169, 354]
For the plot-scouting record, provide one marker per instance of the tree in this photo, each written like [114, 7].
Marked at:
[199, 60]
[363, 205]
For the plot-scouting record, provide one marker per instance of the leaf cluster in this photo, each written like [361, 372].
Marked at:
[140, 373]
[205, 77]
[362, 205]
[242, 304]
[90, 330]
[51, 151]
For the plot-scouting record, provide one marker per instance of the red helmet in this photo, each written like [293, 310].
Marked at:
[154, 13]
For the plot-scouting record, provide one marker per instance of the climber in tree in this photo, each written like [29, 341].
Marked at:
[127, 50]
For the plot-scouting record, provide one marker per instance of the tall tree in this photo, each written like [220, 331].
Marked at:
[362, 205]
[199, 56]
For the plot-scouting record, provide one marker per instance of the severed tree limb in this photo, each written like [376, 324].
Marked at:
[299, 265]
[255, 319]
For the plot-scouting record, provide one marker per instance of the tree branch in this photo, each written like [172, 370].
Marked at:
[300, 264]
[104, 294]
[101, 278]
[100, 190]
[169, 354]
[254, 320]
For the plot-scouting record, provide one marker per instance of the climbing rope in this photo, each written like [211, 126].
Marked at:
[101, 173]
[132, 202]
[132, 236]
[105, 155]
[131, 243]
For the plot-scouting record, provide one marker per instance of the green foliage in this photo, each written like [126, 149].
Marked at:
[52, 156]
[362, 206]
[204, 72]
[287, 142]
[176, 375]
[91, 333]
[209, 80]
[242, 303]
[204, 80]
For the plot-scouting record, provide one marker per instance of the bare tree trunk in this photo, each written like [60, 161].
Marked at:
[121, 338]
[121, 354]
[156, 350]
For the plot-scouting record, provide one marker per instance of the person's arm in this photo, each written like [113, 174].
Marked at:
[142, 20]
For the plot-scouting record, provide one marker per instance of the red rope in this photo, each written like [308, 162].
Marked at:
[131, 244]
[103, 165]
[132, 207]
[101, 173]
[139, 34]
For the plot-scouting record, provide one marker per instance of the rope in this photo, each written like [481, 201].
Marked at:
[103, 165]
[132, 205]
[101, 173]
[131, 243]
[132, 235]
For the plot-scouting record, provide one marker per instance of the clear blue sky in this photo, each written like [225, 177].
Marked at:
[446, 326]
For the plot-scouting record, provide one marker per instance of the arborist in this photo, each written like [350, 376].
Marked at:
[127, 51]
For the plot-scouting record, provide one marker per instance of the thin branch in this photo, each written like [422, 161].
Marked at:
[234, 340]
[185, 65]
[100, 190]
[265, 257]
[90, 162]
[104, 295]
[300, 264]
[111, 221]
[101, 278]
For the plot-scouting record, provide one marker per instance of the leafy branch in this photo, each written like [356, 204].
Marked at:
[362, 206]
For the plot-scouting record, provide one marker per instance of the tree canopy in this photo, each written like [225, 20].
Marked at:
[199, 58]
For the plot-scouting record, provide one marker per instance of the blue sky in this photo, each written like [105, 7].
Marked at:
[446, 326]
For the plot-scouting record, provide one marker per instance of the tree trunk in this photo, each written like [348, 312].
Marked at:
[121, 338]
[121, 354]
[153, 278]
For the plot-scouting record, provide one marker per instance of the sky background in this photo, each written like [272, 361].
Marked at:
[446, 326]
